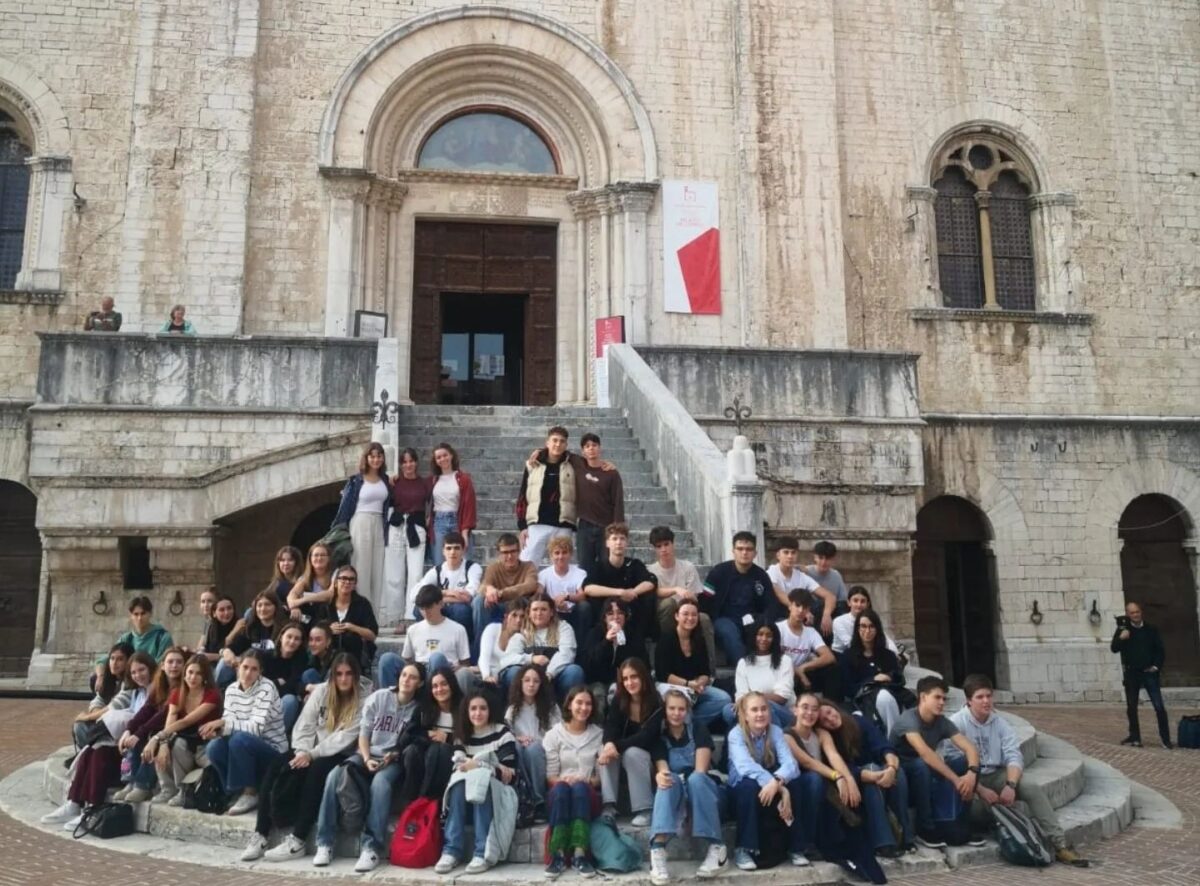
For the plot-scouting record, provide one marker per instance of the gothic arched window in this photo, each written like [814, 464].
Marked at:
[982, 214]
[487, 141]
[14, 199]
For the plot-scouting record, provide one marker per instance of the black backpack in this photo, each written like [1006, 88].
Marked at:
[772, 838]
[209, 794]
[285, 796]
[1022, 841]
[1189, 732]
[354, 795]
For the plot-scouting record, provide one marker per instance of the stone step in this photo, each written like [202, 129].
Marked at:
[473, 448]
[503, 520]
[640, 496]
[525, 413]
[506, 478]
[508, 433]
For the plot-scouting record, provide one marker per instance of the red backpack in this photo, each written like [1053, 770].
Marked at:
[417, 842]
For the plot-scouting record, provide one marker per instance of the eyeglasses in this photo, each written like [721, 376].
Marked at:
[348, 578]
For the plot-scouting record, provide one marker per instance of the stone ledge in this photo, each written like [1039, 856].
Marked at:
[1049, 318]
[52, 297]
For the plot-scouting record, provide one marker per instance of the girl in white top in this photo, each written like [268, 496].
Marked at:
[366, 501]
[498, 636]
[531, 714]
[547, 642]
[843, 626]
[766, 670]
[572, 779]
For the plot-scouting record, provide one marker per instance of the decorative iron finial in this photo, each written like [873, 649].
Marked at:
[383, 410]
[737, 413]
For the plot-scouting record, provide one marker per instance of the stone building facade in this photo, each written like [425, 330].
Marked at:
[995, 204]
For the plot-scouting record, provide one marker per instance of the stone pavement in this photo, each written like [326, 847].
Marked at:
[29, 730]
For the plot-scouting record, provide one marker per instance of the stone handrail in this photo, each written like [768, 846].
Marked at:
[205, 372]
[714, 499]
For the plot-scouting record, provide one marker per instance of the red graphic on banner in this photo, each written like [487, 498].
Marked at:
[700, 262]
[609, 331]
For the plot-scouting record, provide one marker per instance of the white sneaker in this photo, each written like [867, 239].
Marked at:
[478, 865]
[166, 796]
[641, 820]
[323, 857]
[800, 860]
[291, 847]
[176, 800]
[243, 804]
[66, 811]
[368, 860]
[255, 848]
[713, 861]
[658, 866]
[73, 823]
[119, 796]
[445, 864]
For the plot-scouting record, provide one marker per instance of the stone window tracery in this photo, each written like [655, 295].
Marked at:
[14, 199]
[982, 212]
[488, 140]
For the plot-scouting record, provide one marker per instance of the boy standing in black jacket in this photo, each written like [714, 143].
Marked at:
[1142, 658]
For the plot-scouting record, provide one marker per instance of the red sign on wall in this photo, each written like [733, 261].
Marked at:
[609, 331]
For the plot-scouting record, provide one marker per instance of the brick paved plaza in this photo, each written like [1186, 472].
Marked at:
[31, 729]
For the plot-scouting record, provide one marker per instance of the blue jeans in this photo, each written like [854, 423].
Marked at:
[374, 834]
[876, 802]
[580, 619]
[1135, 682]
[696, 792]
[920, 786]
[710, 704]
[729, 639]
[311, 677]
[781, 716]
[224, 675]
[240, 760]
[482, 615]
[456, 819]
[462, 613]
[568, 678]
[567, 803]
[391, 664]
[145, 776]
[444, 522]
[809, 806]
[291, 711]
[532, 761]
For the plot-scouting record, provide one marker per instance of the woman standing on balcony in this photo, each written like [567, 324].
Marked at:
[366, 504]
[453, 500]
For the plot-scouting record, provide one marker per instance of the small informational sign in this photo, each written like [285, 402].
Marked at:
[370, 324]
[609, 331]
[691, 248]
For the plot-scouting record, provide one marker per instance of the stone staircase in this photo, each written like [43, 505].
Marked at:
[493, 443]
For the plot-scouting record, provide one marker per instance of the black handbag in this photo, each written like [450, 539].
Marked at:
[106, 820]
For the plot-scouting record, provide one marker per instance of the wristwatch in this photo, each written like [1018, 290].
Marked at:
[974, 769]
[835, 777]
[1011, 784]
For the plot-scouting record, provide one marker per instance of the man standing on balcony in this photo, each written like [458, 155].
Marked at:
[103, 320]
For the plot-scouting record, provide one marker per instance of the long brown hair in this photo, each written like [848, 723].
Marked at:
[543, 702]
[649, 700]
[362, 459]
[161, 688]
[298, 561]
[848, 737]
[341, 708]
[308, 575]
[433, 465]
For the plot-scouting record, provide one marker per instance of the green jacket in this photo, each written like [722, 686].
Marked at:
[155, 642]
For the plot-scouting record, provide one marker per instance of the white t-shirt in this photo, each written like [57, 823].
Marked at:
[798, 579]
[371, 497]
[843, 634]
[449, 638]
[682, 575]
[445, 494]
[800, 647]
[558, 586]
[460, 579]
[759, 676]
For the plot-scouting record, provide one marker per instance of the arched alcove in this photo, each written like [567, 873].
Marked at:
[20, 573]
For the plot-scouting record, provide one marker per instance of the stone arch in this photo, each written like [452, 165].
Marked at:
[423, 69]
[35, 102]
[1120, 487]
[992, 117]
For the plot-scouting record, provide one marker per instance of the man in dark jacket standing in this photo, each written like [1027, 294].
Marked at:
[1142, 657]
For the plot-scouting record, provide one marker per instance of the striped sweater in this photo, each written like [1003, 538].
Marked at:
[256, 710]
[495, 739]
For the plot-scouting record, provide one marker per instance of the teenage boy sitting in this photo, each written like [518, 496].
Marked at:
[916, 737]
[822, 571]
[617, 575]
[434, 642]
[562, 581]
[458, 578]
[814, 666]
[843, 625]
[1001, 766]
[787, 577]
[678, 582]
[736, 593]
[506, 578]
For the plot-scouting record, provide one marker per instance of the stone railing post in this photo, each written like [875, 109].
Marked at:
[744, 506]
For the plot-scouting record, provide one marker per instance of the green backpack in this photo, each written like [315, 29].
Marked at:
[613, 851]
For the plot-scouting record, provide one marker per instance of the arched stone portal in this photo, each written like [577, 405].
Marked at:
[563, 86]
[20, 572]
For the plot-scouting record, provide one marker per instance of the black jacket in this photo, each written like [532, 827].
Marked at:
[1143, 649]
[600, 658]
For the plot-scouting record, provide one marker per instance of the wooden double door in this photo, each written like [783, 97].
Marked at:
[20, 570]
[484, 313]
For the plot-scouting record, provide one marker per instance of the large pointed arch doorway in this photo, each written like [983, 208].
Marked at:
[1157, 571]
[954, 590]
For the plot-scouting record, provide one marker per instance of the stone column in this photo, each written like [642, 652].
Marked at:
[922, 230]
[982, 198]
[383, 419]
[49, 195]
[1052, 223]
[633, 200]
[382, 291]
[744, 511]
[347, 190]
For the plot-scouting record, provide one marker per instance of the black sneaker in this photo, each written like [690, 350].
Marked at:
[892, 851]
[583, 866]
[1168, 745]
[1132, 742]
[557, 865]
[931, 842]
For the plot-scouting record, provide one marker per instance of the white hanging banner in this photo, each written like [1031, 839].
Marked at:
[691, 248]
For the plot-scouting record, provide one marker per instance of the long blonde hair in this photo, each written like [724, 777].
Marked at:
[551, 629]
[768, 760]
[341, 710]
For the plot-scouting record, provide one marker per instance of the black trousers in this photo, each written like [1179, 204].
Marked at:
[426, 772]
[314, 775]
[1135, 682]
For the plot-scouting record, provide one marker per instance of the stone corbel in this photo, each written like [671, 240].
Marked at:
[922, 225]
[1058, 278]
[49, 197]
[348, 190]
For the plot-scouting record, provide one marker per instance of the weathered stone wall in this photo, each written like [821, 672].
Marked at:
[1053, 492]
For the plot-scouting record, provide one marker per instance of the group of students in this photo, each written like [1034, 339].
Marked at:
[492, 707]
